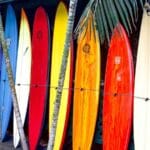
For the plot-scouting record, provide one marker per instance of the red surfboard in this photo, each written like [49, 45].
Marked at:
[39, 76]
[118, 93]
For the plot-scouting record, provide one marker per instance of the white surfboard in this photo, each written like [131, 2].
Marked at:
[142, 88]
[23, 72]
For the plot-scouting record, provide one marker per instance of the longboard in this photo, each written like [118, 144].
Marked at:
[86, 87]
[11, 36]
[118, 93]
[23, 70]
[59, 35]
[39, 76]
[142, 88]
[1, 54]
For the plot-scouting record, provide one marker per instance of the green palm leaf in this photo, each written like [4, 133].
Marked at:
[100, 25]
[134, 5]
[104, 20]
[83, 19]
[123, 13]
[108, 13]
[113, 11]
[130, 11]
[142, 3]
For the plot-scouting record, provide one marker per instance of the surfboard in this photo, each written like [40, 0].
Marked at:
[23, 70]
[142, 88]
[118, 92]
[11, 36]
[1, 54]
[39, 76]
[59, 36]
[86, 86]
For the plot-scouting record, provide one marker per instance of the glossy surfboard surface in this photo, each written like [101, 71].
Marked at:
[39, 76]
[11, 36]
[1, 54]
[23, 73]
[118, 93]
[59, 36]
[87, 87]
[142, 88]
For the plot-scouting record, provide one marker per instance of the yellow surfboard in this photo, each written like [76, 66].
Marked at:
[86, 90]
[59, 35]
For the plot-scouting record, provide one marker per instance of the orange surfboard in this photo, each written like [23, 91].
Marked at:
[87, 83]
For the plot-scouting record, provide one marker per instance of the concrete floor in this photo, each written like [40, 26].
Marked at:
[8, 145]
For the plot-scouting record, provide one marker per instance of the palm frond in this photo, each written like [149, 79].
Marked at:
[104, 20]
[113, 11]
[130, 11]
[123, 15]
[142, 3]
[100, 26]
[83, 19]
[108, 13]
[134, 5]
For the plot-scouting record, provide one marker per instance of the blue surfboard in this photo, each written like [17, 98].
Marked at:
[11, 36]
[1, 53]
